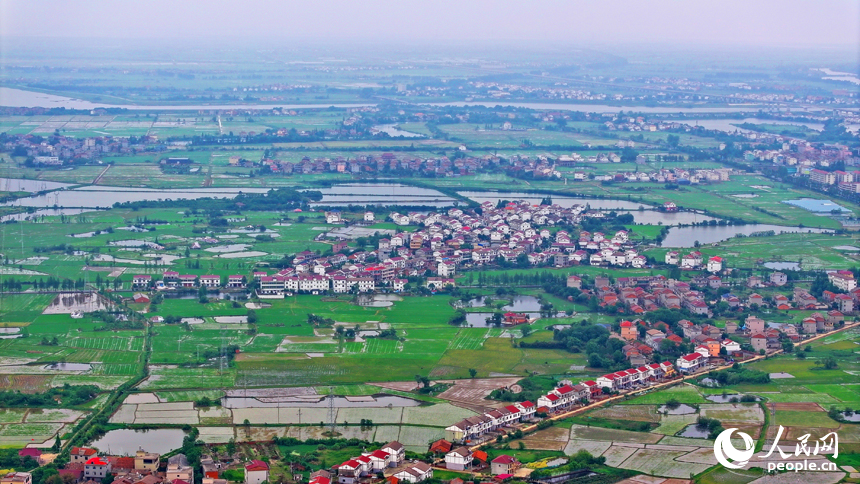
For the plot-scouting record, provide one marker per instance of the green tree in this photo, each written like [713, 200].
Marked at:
[473, 372]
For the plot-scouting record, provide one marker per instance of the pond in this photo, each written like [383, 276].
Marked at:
[682, 409]
[728, 125]
[99, 196]
[653, 217]
[594, 203]
[816, 205]
[127, 441]
[394, 130]
[852, 417]
[69, 302]
[685, 237]
[45, 212]
[479, 320]
[524, 304]
[68, 367]
[227, 248]
[24, 185]
[377, 300]
[693, 431]
[319, 401]
[783, 266]
[231, 319]
[381, 194]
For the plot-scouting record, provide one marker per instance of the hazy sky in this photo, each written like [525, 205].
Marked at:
[714, 22]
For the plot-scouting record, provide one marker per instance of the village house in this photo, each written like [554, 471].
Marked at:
[417, 472]
[758, 342]
[256, 472]
[503, 464]
[96, 468]
[147, 461]
[17, 478]
[178, 468]
[459, 459]
[79, 455]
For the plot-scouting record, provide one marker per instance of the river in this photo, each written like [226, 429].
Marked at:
[21, 98]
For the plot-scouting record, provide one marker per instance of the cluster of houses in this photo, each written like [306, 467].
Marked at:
[694, 261]
[557, 400]
[86, 465]
[392, 454]
[445, 242]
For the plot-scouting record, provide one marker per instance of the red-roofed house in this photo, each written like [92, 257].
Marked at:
[441, 446]
[96, 468]
[81, 454]
[379, 460]
[256, 472]
[628, 331]
[690, 362]
[503, 464]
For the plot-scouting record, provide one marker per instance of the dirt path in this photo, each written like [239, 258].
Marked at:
[99, 178]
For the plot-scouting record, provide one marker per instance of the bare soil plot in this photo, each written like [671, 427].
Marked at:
[729, 412]
[216, 435]
[216, 416]
[796, 406]
[124, 414]
[62, 415]
[472, 393]
[141, 398]
[440, 415]
[672, 424]
[594, 447]
[597, 433]
[703, 455]
[662, 463]
[535, 444]
[616, 455]
[639, 413]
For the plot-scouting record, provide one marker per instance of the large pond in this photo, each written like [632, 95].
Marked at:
[23, 185]
[394, 130]
[68, 367]
[44, 212]
[377, 401]
[127, 441]
[685, 237]
[522, 304]
[70, 302]
[594, 203]
[694, 432]
[817, 205]
[377, 300]
[653, 217]
[728, 125]
[381, 194]
[103, 197]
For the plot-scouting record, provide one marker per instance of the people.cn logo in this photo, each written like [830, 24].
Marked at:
[723, 448]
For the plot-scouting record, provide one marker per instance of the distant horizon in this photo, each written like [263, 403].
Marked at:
[784, 24]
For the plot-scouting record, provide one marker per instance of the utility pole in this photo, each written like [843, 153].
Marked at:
[332, 424]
